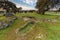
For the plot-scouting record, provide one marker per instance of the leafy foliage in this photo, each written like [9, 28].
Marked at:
[8, 5]
[45, 5]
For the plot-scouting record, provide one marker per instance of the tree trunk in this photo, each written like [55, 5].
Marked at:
[41, 12]
[8, 13]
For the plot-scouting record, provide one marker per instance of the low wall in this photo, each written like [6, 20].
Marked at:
[5, 25]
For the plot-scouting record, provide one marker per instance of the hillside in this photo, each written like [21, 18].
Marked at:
[32, 26]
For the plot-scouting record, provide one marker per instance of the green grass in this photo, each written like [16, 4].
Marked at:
[4, 32]
[53, 30]
[2, 18]
[37, 15]
[26, 27]
[49, 29]
[53, 13]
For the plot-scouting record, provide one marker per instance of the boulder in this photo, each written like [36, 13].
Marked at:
[5, 25]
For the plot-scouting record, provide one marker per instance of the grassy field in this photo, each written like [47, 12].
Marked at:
[2, 18]
[46, 27]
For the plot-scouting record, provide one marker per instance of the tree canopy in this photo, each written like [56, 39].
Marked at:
[8, 5]
[44, 5]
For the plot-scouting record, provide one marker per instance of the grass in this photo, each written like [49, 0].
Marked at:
[53, 13]
[3, 33]
[2, 18]
[37, 15]
[26, 27]
[50, 30]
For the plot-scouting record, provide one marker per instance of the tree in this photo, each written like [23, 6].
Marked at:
[45, 5]
[19, 9]
[8, 6]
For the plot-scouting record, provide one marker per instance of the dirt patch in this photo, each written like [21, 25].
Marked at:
[29, 18]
